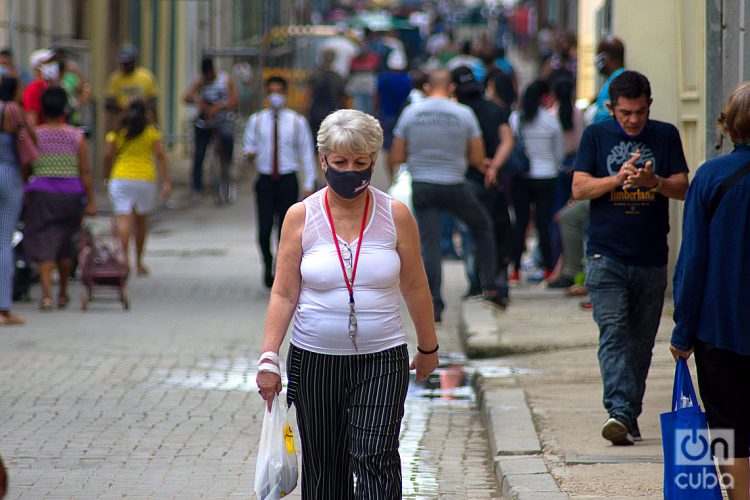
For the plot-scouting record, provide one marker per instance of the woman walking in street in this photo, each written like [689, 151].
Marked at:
[129, 165]
[542, 136]
[345, 253]
[711, 296]
[12, 119]
[58, 194]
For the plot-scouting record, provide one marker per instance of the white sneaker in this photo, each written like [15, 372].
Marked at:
[617, 432]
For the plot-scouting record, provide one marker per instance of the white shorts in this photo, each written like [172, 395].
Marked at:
[126, 196]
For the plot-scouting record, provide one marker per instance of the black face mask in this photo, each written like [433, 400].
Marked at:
[348, 183]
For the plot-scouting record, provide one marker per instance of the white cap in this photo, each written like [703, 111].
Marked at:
[396, 61]
[40, 56]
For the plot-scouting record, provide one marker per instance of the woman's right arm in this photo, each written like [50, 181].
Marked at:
[109, 157]
[84, 171]
[284, 295]
[691, 271]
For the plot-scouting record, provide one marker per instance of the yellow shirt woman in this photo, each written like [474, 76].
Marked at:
[134, 158]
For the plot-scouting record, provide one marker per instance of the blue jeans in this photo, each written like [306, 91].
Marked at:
[429, 201]
[627, 302]
[363, 102]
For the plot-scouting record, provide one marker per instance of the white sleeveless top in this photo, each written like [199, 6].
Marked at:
[321, 322]
[216, 91]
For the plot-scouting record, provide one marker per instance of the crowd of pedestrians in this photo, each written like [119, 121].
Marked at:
[476, 78]
[47, 179]
[489, 162]
[595, 178]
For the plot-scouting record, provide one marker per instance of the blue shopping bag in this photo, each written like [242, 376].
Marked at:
[689, 470]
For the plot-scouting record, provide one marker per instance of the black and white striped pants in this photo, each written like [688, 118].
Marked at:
[349, 411]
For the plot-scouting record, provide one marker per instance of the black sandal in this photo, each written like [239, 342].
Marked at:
[62, 301]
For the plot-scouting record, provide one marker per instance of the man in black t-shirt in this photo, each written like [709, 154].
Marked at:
[628, 166]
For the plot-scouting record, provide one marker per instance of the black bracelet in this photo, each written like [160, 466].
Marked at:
[428, 352]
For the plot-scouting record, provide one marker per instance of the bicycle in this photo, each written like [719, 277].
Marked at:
[223, 183]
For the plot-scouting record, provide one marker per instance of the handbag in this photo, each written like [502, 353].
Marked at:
[27, 149]
[276, 466]
[518, 162]
[689, 470]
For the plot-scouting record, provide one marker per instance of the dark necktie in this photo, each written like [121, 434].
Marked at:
[275, 166]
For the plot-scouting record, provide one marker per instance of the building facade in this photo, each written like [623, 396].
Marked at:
[170, 35]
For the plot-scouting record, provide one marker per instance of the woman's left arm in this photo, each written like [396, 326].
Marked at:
[161, 163]
[415, 290]
[84, 172]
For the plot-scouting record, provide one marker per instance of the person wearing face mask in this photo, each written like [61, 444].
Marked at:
[610, 62]
[280, 142]
[347, 255]
[7, 68]
[629, 167]
[47, 72]
[128, 82]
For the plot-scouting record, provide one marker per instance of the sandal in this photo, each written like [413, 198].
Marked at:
[8, 318]
[62, 301]
[45, 304]
[576, 291]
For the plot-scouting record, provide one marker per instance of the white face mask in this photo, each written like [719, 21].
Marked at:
[50, 71]
[276, 100]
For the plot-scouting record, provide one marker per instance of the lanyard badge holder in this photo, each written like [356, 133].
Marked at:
[347, 279]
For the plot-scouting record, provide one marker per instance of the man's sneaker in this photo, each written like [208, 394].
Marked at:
[635, 431]
[514, 278]
[617, 432]
[494, 298]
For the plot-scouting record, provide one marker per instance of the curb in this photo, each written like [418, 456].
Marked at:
[520, 469]
[481, 337]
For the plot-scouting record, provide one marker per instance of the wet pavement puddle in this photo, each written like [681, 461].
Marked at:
[447, 391]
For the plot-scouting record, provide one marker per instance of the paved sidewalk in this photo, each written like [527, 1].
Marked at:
[542, 400]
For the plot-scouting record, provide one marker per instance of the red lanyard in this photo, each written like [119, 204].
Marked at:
[349, 283]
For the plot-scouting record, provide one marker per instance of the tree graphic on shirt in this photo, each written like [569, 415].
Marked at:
[622, 152]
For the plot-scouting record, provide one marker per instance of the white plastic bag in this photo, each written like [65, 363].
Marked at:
[401, 187]
[276, 467]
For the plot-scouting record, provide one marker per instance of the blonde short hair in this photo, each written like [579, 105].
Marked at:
[734, 120]
[350, 131]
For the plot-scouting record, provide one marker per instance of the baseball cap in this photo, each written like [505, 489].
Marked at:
[465, 82]
[127, 53]
[40, 56]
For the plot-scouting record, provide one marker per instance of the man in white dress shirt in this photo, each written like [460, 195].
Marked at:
[281, 143]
